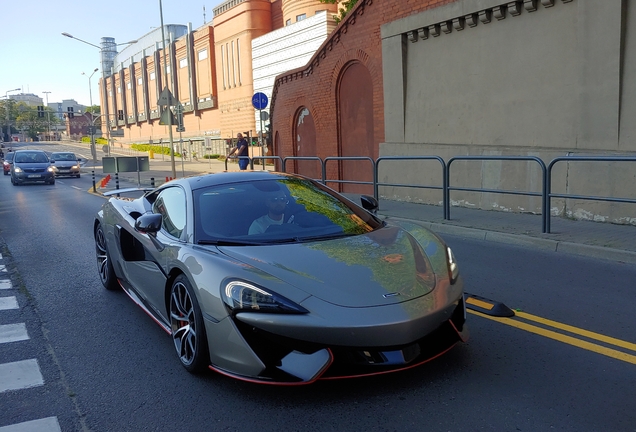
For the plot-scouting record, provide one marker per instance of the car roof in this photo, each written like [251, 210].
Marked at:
[29, 151]
[202, 181]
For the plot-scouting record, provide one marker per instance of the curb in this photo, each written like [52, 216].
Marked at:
[547, 245]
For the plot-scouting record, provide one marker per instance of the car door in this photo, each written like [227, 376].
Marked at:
[147, 274]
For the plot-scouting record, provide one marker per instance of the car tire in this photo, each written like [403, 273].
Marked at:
[186, 323]
[52, 182]
[104, 265]
[6, 173]
[78, 176]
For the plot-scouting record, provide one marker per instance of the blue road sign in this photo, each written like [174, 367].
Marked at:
[259, 100]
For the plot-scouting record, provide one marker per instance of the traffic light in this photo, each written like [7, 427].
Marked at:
[70, 113]
[40, 111]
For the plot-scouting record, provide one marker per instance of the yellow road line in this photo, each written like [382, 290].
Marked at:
[578, 331]
[609, 352]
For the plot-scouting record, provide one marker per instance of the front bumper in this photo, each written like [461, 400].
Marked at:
[26, 177]
[281, 360]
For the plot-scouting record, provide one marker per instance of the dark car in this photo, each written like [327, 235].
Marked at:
[8, 160]
[31, 166]
[65, 164]
[275, 278]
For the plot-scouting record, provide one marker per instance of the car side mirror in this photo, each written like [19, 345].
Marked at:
[148, 223]
[369, 203]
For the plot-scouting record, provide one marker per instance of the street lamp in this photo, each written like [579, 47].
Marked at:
[104, 91]
[6, 96]
[48, 118]
[90, 95]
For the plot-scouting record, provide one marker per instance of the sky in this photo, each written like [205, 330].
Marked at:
[35, 57]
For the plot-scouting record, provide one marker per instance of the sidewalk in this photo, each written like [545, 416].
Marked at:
[594, 239]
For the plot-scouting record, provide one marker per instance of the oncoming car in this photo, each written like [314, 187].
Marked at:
[275, 278]
[31, 166]
[6, 164]
[65, 164]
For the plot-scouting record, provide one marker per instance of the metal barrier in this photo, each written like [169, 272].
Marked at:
[240, 157]
[264, 158]
[308, 158]
[376, 193]
[344, 158]
[541, 194]
[548, 188]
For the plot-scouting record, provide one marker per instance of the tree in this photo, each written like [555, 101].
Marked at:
[27, 120]
[346, 6]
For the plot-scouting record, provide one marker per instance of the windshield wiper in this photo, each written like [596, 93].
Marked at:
[223, 242]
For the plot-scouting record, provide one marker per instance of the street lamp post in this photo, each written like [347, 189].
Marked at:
[165, 66]
[6, 97]
[90, 95]
[104, 91]
[48, 118]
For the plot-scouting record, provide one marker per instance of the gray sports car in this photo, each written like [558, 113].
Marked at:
[275, 278]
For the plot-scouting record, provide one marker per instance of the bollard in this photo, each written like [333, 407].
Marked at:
[94, 187]
[117, 183]
[152, 182]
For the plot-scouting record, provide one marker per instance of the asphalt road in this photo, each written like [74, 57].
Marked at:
[106, 366]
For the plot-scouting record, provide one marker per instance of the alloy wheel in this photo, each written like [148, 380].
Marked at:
[183, 323]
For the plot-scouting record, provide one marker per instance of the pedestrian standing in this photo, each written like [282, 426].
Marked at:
[241, 151]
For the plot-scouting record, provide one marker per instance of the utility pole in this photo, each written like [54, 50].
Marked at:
[48, 117]
[165, 66]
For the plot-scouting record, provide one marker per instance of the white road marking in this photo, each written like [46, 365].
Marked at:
[13, 333]
[75, 187]
[5, 284]
[20, 375]
[49, 424]
[7, 303]
[3, 268]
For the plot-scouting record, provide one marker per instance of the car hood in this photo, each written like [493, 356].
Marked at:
[382, 267]
[32, 165]
[65, 164]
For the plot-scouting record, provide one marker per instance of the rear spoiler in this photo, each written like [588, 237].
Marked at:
[128, 190]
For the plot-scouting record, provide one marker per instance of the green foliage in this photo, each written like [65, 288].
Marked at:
[342, 12]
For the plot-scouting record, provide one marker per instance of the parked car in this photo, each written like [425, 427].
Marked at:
[65, 164]
[6, 163]
[31, 166]
[275, 278]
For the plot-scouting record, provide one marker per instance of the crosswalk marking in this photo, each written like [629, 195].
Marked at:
[20, 375]
[13, 333]
[7, 303]
[49, 424]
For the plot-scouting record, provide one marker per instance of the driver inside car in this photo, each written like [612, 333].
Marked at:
[276, 204]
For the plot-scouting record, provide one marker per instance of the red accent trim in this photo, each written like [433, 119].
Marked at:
[163, 327]
[464, 339]
[275, 383]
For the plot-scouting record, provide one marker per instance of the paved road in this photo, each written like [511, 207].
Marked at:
[566, 362]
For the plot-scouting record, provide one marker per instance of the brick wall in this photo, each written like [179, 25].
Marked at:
[315, 86]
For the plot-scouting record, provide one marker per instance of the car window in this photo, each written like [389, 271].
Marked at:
[266, 211]
[31, 157]
[171, 205]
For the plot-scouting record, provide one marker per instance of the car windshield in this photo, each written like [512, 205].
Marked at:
[9, 156]
[30, 157]
[64, 157]
[276, 211]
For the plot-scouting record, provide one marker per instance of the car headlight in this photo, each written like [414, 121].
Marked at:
[17, 169]
[244, 297]
[75, 167]
[50, 169]
[453, 268]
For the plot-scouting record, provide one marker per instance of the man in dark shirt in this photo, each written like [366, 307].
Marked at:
[241, 152]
